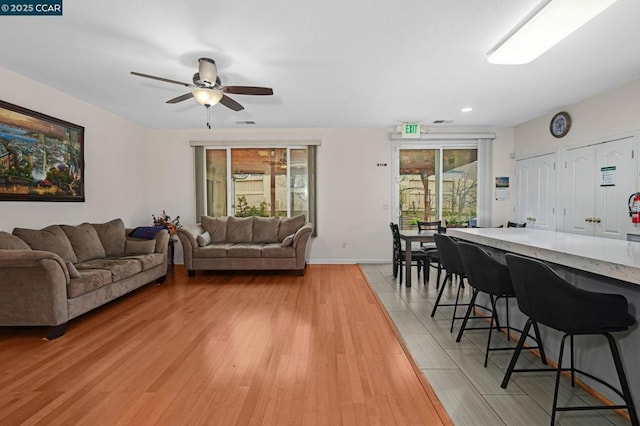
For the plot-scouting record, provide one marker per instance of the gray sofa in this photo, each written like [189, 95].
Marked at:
[52, 275]
[250, 243]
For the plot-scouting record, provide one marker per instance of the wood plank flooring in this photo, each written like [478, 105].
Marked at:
[222, 349]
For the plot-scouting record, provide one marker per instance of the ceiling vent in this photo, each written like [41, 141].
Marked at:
[245, 123]
[442, 121]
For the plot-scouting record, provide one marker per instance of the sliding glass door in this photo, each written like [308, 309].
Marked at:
[436, 183]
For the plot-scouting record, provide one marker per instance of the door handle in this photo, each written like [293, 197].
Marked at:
[597, 220]
[589, 219]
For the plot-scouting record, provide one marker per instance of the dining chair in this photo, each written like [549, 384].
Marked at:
[433, 259]
[418, 257]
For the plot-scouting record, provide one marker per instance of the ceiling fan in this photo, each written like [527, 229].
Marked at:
[208, 89]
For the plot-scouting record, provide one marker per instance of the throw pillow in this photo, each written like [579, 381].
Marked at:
[289, 225]
[52, 238]
[11, 242]
[240, 229]
[216, 227]
[112, 234]
[204, 239]
[288, 240]
[85, 242]
[73, 272]
[139, 247]
[265, 229]
[146, 232]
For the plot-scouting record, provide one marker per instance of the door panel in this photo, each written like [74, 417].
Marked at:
[611, 200]
[579, 189]
[536, 183]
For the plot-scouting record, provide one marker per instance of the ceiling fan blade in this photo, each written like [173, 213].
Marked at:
[166, 80]
[180, 98]
[230, 103]
[248, 90]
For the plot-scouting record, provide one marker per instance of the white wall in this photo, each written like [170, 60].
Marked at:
[595, 119]
[115, 154]
[132, 172]
[354, 195]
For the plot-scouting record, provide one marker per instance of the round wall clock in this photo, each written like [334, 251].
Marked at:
[560, 124]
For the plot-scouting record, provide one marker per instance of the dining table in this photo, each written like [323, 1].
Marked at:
[410, 236]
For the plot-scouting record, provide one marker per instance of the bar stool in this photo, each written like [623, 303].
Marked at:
[452, 264]
[550, 300]
[488, 275]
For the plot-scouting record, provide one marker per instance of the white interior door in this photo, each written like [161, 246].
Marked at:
[579, 188]
[616, 170]
[536, 189]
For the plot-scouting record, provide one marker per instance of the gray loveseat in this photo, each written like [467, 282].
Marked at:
[249, 243]
[52, 275]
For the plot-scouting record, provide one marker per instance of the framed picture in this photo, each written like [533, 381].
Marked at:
[41, 157]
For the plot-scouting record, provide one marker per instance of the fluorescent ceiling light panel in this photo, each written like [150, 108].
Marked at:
[555, 21]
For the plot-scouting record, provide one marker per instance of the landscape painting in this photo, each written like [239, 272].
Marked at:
[41, 157]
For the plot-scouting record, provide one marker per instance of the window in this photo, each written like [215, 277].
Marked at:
[263, 181]
[437, 183]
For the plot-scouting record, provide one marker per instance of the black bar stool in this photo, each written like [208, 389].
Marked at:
[488, 275]
[452, 264]
[550, 300]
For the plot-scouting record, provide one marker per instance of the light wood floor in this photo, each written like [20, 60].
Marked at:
[222, 349]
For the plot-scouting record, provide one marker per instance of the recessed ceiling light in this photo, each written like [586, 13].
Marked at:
[467, 109]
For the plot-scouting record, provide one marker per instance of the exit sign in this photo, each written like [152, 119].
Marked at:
[411, 130]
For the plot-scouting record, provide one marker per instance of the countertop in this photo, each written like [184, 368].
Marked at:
[617, 259]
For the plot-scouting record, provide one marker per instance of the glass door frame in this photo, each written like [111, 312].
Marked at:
[430, 145]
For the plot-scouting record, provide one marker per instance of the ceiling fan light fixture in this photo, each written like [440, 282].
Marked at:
[206, 97]
[549, 25]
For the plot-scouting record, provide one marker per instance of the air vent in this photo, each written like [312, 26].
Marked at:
[245, 123]
[442, 121]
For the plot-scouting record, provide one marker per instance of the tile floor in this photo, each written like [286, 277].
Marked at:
[470, 393]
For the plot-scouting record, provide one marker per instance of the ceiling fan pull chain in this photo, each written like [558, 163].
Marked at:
[208, 117]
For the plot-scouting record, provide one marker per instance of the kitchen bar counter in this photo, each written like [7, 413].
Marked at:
[592, 263]
[617, 259]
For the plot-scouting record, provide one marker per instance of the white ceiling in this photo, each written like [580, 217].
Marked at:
[355, 63]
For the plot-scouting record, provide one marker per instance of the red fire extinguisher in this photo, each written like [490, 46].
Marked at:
[634, 207]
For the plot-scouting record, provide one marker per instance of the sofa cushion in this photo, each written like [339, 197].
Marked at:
[289, 225]
[51, 238]
[85, 242]
[212, 250]
[89, 280]
[276, 250]
[148, 261]
[139, 247]
[11, 242]
[216, 227]
[204, 239]
[119, 268]
[265, 229]
[239, 229]
[112, 234]
[245, 250]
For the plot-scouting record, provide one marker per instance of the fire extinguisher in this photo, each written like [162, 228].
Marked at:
[634, 207]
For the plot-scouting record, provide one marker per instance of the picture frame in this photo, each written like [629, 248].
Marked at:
[41, 157]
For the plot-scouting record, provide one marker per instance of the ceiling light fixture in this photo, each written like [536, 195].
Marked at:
[206, 96]
[544, 29]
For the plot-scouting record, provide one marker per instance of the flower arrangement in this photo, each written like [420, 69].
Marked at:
[165, 220]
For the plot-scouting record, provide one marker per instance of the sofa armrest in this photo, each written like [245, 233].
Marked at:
[33, 288]
[188, 235]
[300, 242]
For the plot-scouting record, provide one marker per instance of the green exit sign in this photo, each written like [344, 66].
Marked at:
[410, 130]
